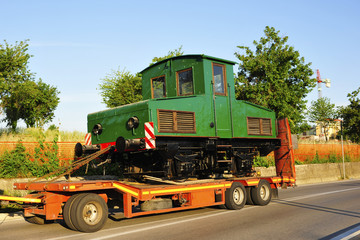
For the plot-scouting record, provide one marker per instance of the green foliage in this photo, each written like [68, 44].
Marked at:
[275, 76]
[52, 127]
[21, 96]
[268, 162]
[34, 102]
[10, 207]
[19, 163]
[263, 161]
[13, 65]
[331, 158]
[303, 127]
[122, 87]
[322, 112]
[34, 134]
[351, 117]
[297, 162]
[175, 53]
[15, 163]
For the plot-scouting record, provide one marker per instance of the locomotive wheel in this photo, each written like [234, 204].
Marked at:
[261, 195]
[68, 209]
[89, 213]
[235, 196]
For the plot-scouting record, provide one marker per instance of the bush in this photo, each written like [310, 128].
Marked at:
[297, 162]
[263, 161]
[19, 163]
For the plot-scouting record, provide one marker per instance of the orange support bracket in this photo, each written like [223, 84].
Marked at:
[284, 156]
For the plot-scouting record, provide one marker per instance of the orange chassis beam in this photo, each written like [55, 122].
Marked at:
[51, 196]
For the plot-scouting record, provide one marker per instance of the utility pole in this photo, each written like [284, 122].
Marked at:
[342, 149]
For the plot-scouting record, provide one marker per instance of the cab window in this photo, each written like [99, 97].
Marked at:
[185, 84]
[219, 79]
[158, 88]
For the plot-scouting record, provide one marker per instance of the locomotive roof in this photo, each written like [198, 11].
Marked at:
[191, 56]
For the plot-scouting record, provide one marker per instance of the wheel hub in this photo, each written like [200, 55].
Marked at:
[91, 215]
[238, 196]
[264, 193]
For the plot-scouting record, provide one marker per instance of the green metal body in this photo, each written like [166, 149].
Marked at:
[220, 116]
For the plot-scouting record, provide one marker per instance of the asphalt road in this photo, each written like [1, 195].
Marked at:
[322, 211]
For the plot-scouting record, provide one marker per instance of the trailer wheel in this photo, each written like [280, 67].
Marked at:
[235, 196]
[261, 195]
[89, 213]
[249, 200]
[68, 209]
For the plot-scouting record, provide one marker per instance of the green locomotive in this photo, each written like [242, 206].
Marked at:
[188, 124]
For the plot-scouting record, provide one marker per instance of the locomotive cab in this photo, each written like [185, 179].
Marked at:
[200, 84]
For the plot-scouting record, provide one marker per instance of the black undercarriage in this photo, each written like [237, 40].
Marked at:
[176, 157]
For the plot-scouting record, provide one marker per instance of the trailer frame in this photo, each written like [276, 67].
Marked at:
[50, 198]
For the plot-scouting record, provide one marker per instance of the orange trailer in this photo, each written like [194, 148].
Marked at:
[83, 205]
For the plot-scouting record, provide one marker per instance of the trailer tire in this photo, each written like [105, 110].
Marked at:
[67, 212]
[235, 196]
[89, 213]
[249, 200]
[261, 195]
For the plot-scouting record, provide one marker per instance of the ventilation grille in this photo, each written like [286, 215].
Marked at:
[176, 121]
[166, 121]
[259, 126]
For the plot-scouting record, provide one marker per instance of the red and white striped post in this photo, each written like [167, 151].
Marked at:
[149, 135]
[88, 139]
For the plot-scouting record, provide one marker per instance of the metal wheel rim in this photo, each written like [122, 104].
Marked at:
[92, 213]
[238, 196]
[264, 193]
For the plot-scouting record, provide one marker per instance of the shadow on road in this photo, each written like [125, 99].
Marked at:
[319, 208]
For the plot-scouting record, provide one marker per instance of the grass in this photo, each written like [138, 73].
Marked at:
[269, 161]
[331, 158]
[331, 141]
[34, 134]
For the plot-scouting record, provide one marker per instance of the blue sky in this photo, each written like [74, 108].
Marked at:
[77, 43]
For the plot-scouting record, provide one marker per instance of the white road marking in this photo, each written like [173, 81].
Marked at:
[348, 234]
[159, 226]
[201, 215]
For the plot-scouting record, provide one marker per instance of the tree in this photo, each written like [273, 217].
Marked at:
[13, 65]
[21, 96]
[351, 116]
[34, 102]
[122, 87]
[175, 53]
[323, 113]
[275, 76]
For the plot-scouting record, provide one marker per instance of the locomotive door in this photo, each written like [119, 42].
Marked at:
[221, 102]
